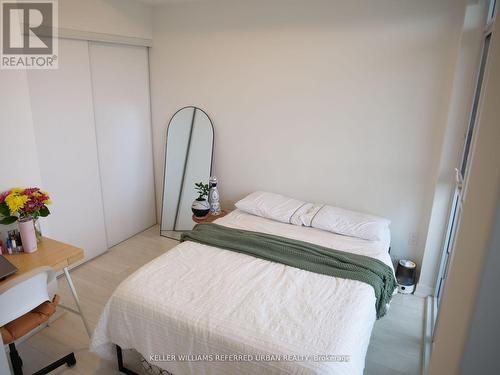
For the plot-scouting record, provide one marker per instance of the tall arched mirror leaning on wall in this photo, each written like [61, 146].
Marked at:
[188, 160]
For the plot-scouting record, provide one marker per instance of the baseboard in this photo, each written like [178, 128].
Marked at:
[429, 318]
[423, 290]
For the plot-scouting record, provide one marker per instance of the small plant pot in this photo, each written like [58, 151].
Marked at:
[200, 207]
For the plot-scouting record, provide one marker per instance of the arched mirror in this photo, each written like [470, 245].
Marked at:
[188, 160]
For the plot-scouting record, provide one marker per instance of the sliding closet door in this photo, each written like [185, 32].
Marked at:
[120, 82]
[63, 119]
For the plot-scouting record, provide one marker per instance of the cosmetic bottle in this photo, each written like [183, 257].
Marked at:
[13, 244]
[9, 245]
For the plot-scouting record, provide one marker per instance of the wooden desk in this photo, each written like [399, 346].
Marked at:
[52, 253]
[57, 255]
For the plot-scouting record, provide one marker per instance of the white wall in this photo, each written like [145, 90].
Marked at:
[128, 18]
[19, 161]
[333, 101]
[19, 164]
[458, 120]
[475, 238]
[481, 350]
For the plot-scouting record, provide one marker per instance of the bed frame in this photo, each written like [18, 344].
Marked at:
[124, 370]
[121, 367]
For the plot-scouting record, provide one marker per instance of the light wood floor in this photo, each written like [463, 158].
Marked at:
[394, 347]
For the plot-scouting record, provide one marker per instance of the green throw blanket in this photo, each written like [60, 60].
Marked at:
[303, 255]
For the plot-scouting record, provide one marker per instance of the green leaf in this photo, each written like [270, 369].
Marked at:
[8, 220]
[44, 211]
[4, 209]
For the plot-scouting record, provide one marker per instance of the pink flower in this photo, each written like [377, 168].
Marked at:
[4, 195]
[30, 206]
[30, 191]
[42, 198]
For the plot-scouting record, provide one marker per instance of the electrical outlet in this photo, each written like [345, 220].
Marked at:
[413, 239]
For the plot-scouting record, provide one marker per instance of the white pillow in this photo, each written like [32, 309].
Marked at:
[274, 206]
[321, 216]
[346, 222]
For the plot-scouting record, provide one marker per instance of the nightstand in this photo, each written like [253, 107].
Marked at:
[210, 218]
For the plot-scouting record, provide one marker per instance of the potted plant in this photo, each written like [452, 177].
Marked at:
[200, 206]
[25, 205]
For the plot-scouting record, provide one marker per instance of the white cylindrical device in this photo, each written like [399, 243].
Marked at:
[406, 274]
[213, 196]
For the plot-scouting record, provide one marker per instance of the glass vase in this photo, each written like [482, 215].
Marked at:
[38, 230]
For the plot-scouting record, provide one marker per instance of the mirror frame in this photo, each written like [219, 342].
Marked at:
[178, 232]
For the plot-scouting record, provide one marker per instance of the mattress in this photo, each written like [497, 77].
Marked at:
[198, 309]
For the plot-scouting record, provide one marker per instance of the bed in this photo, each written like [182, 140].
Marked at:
[198, 309]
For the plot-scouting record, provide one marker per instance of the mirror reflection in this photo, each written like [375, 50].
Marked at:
[188, 160]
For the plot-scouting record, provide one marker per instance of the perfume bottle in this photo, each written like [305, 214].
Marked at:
[213, 196]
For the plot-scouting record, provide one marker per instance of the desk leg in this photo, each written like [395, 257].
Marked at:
[4, 362]
[77, 300]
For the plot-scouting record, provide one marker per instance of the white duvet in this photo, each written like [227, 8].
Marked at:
[261, 317]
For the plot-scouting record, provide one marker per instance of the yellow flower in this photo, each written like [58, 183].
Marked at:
[15, 202]
[17, 190]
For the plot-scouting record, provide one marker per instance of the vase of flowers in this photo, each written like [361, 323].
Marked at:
[200, 206]
[38, 229]
[28, 235]
[25, 205]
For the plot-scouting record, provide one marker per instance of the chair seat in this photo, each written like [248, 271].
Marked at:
[16, 329]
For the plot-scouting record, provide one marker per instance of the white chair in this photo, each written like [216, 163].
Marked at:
[26, 302]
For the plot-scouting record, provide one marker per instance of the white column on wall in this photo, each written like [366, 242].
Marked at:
[120, 83]
[19, 164]
[63, 120]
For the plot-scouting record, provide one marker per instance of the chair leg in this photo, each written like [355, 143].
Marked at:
[15, 360]
[69, 360]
